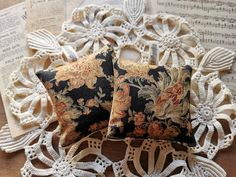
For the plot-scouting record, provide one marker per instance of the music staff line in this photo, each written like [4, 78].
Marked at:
[207, 21]
[201, 6]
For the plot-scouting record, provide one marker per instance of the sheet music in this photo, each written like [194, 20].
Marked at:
[214, 20]
[46, 14]
[13, 47]
[230, 79]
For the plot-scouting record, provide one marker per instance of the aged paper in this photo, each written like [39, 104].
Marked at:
[72, 4]
[50, 14]
[45, 14]
[13, 47]
[214, 20]
[114, 3]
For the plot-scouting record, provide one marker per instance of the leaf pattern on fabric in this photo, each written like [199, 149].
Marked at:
[151, 102]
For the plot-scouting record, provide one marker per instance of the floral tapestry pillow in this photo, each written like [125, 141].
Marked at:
[151, 102]
[82, 94]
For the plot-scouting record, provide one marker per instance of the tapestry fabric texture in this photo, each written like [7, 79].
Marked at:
[82, 94]
[151, 102]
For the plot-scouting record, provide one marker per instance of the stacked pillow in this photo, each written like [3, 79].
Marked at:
[138, 100]
[82, 93]
[151, 102]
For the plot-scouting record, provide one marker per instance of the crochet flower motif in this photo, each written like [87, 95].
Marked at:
[69, 162]
[93, 27]
[212, 108]
[30, 91]
[209, 111]
[59, 165]
[176, 42]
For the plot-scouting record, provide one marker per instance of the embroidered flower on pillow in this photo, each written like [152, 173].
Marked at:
[151, 102]
[84, 72]
[82, 93]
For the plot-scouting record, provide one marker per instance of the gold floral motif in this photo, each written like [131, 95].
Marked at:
[64, 110]
[175, 93]
[81, 72]
[155, 130]
[68, 135]
[92, 103]
[70, 115]
[170, 97]
[170, 133]
[98, 126]
[61, 103]
[139, 119]
[106, 105]
[139, 132]
[80, 101]
[60, 107]
[134, 69]
[48, 85]
[121, 101]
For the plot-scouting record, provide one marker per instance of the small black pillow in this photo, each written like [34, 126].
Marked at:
[151, 102]
[82, 93]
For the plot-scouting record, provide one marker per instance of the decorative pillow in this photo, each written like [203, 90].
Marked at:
[151, 102]
[82, 94]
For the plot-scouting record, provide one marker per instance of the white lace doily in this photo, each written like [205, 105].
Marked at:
[212, 106]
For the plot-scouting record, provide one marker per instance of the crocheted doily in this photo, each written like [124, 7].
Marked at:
[212, 105]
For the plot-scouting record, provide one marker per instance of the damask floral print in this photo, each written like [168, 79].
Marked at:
[84, 72]
[122, 101]
[151, 102]
[82, 94]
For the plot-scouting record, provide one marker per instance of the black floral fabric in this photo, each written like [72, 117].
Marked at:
[151, 102]
[82, 94]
